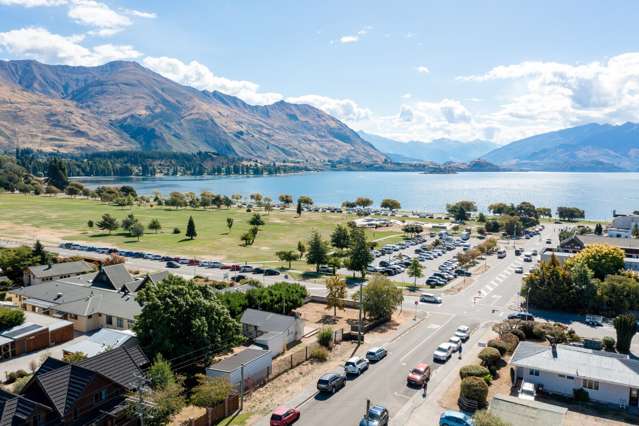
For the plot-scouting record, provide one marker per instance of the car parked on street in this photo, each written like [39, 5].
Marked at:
[356, 365]
[173, 265]
[271, 272]
[376, 416]
[523, 316]
[429, 298]
[463, 332]
[376, 354]
[443, 352]
[284, 416]
[455, 418]
[331, 382]
[418, 375]
[456, 342]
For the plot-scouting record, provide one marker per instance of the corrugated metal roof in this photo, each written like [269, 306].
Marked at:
[267, 321]
[57, 269]
[22, 330]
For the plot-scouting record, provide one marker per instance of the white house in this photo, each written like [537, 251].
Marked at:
[252, 364]
[622, 226]
[608, 378]
[271, 331]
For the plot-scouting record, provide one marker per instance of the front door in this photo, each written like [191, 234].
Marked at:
[634, 397]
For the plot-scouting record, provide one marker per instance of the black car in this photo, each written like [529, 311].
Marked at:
[463, 273]
[172, 264]
[523, 316]
[331, 382]
[258, 270]
[238, 278]
[271, 272]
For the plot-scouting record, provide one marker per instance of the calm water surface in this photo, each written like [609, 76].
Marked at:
[597, 193]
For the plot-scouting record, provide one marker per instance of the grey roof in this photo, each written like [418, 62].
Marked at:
[82, 300]
[101, 341]
[623, 243]
[112, 277]
[267, 321]
[153, 278]
[57, 269]
[625, 222]
[22, 330]
[118, 364]
[517, 411]
[15, 409]
[234, 362]
[578, 362]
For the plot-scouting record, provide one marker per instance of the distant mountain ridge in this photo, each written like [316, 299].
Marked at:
[124, 106]
[439, 150]
[590, 147]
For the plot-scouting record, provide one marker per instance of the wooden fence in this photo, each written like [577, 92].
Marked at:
[215, 414]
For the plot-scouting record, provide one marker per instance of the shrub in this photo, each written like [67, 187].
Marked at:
[488, 378]
[489, 356]
[498, 344]
[519, 333]
[609, 343]
[325, 337]
[528, 328]
[474, 388]
[511, 341]
[538, 332]
[473, 370]
[580, 395]
[176, 230]
[15, 375]
[10, 318]
[319, 354]
[484, 418]
[20, 383]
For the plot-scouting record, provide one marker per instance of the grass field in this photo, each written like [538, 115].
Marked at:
[51, 218]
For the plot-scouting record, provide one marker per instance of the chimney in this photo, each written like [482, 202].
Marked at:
[553, 347]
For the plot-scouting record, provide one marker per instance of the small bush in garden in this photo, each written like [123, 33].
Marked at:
[489, 357]
[325, 337]
[528, 328]
[473, 370]
[488, 378]
[511, 341]
[319, 354]
[609, 343]
[498, 344]
[474, 388]
[484, 418]
[520, 334]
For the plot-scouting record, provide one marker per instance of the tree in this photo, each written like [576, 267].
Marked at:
[413, 229]
[257, 197]
[363, 202]
[74, 188]
[89, 223]
[390, 204]
[570, 213]
[301, 247]
[177, 200]
[128, 222]
[13, 262]
[282, 297]
[190, 229]
[489, 357]
[73, 357]
[601, 259]
[360, 256]
[544, 212]
[210, 391]
[461, 209]
[40, 253]
[474, 388]
[415, 270]
[617, 294]
[155, 225]
[492, 226]
[335, 262]
[113, 259]
[481, 217]
[164, 399]
[175, 301]
[235, 301]
[380, 298]
[108, 223]
[229, 223]
[57, 174]
[635, 230]
[256, 220]
[287, 256]
[160, 373]
[317, 251]
[340, 238]
[305, 200]
[512, 225]
[336, 288]
[299, 208]
[501, 208]
[10, 318]
[286, 199]
[137, 230]
[626, 327]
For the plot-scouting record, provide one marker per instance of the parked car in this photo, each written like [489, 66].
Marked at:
[172, 264]
[325, 269]
[235, 268]
[519, 270]
[271, 272]
[258, 270]
[455, 418]
[463, 332]
[443, 352]
[331, 382]
[528, 258]
[284, 416]
[456, 342]
[215, 264]
[356, 365]
[238, 278]
[376, 416]
[418, 375]
[527, 391]
[246, 268]
[429, 298]
[548, 241]
[523, 316]
[376, 354]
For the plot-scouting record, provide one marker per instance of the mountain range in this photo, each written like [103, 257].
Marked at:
[590, 147]
[125, 106]
[438, 150]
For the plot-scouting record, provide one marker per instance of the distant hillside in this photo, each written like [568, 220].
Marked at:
[124, 106]
[591, 147]
[439, 150]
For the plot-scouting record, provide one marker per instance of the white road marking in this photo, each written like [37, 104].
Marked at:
[407, 354]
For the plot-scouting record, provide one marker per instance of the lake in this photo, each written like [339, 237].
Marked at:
[597, 193]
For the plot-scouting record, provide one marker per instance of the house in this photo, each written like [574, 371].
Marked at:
[608, 377]
[43, 273]
[18, 410]
[622, 226]
[29, 337]
[574, 244]
[253, 364]
[105, 298]
[271, 331]
[91, 391]
[518, 411]
[104, 340]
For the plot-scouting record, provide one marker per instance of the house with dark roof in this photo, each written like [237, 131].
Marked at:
[43, 273]
[91, 391]
[271, 331]
[609, 378]
[29, 337]
[575, 243]
[17, 410]
[105, 298]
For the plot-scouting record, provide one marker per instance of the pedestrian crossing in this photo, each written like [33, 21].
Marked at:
[495, 282]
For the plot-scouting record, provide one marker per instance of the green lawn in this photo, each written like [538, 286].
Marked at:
[68, 217]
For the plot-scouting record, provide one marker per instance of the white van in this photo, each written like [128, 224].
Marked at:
[501, 254]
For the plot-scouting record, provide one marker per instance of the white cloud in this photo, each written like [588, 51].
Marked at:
[348, 39]
[407, 96]
[98, 15]
[32, 3]
[423, 69]
[141, 13]
[40, 44]
[343, 109]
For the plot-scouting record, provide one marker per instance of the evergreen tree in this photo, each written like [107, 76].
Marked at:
[361, 255]
[40, 253]
[57, 174]
[108, 223]
[229, 223]
[155, 225]
[190, 229]
[317, 251]
[626, 327]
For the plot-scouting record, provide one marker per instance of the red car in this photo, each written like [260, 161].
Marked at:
[418, 375]
[235, 267]
[284, 416]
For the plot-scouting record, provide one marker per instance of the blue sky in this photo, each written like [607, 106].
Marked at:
[412, 70]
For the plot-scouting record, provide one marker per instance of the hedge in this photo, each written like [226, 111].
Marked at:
[474, 388]
[609, 343]
[489, 356]
[10, 318]
[498, 344]
[511, 341]
[473, 370]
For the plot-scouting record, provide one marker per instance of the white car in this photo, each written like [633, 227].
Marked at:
[429, 298]
[443, 352]
[356, 365]
[527, 391]
[456, 342]
[463, 332]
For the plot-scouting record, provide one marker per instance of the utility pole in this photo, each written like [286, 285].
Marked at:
[241, 387]
[361, 300]
[368, 406]
[140, 381]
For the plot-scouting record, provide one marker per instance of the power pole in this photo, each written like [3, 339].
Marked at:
[140, 381]
[241, 387]
[368, 406]
[361, 300]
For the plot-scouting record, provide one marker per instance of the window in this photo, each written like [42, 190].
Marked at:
[109, 320]
[100, 396]
[533, 372]
[562, 376]
[591, 384]
[120, 323]
[570, 378]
